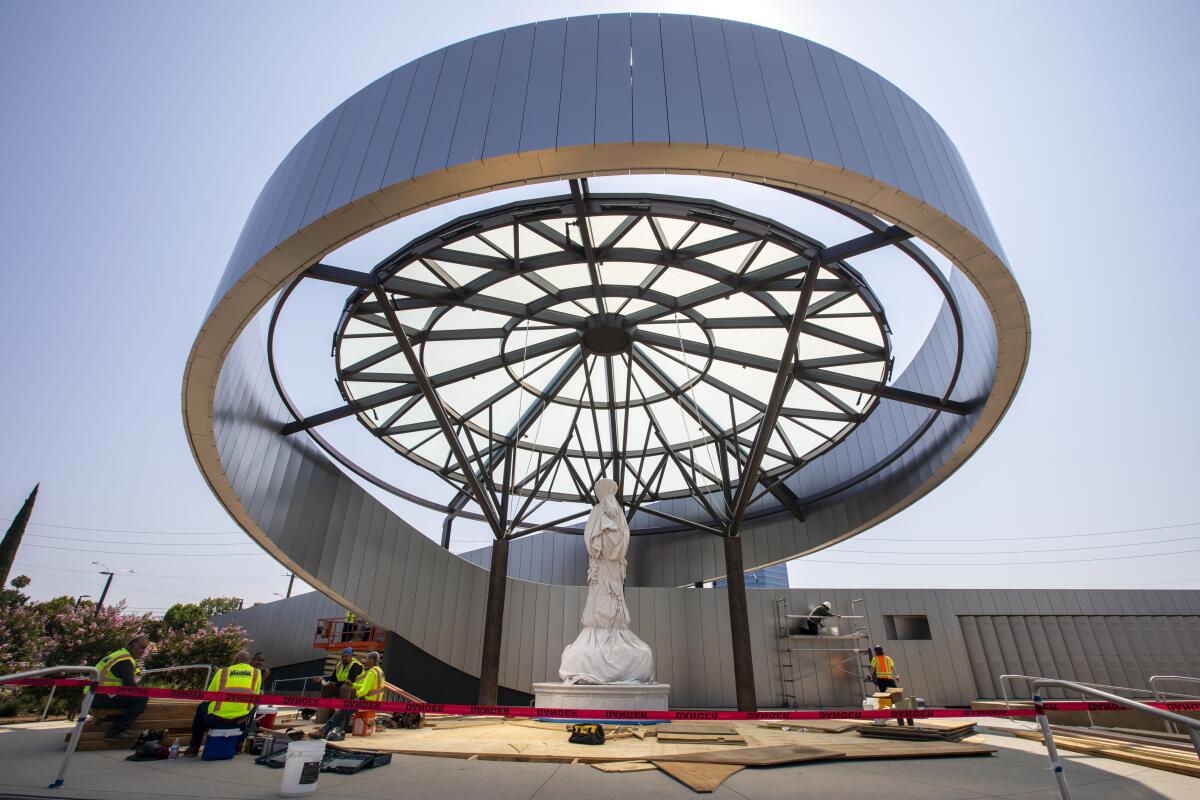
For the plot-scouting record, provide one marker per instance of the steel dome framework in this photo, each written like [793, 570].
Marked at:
[567, 99]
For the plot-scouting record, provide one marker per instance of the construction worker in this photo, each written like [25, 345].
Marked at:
[340, 682]
[349, 626]
[883, 670]
[119, 668]
[812, 625]
[369, 686]
[239, 677]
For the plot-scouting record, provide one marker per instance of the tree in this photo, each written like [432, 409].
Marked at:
[208, 645]
[219, 605]
[20, 582]
[12, 538]
[184, 618]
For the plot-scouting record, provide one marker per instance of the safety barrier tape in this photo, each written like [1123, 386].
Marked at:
[290, 701]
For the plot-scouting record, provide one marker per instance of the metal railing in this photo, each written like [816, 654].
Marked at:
[1192, 725]
[1091, 723]
[207, 679]
[84, 708]
[304, 686]
[1160, 695]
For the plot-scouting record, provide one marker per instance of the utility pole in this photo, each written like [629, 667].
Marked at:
[291, 580]
[109, 571]
[103, 594]
[12, 539]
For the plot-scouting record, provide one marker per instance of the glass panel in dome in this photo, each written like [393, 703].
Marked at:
[704, 233]
[770, 254]
[360, 389]
[678, 282]
[589, 303]
[358, 327]
[471, 244]
[640, 236]
[533, 244]
[673, 230]
[516, 289]
[872, 371]
[811, 347]
[438, 357]
[738, 305]
[600, 226]
[800, 396]
[528, 337]
[787, 300]
[803, 440]
[849, 304]
[351, 351]
[672, 479]
[848, 327]
[416, 271]
[626, 273]
[567, 276]
[397, 364]
[767, 342]
[826, 275]
[633, 305]
[713, 402]
[731, 258]
[460, 273]
[461, 318]
[769, 462]
[501, 238]
[569, 308]
[848, 396]
[414, 318]
[462, 396]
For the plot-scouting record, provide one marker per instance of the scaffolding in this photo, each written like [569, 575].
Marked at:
[801, 657]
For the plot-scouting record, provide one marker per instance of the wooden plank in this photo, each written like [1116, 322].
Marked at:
[1169, 762]
[761, 756]
[701, 738]
[878, 748]
[698, 777]
[822, 725]
[625, 766]
[687, 726]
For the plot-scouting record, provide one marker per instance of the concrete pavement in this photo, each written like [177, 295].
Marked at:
[30, 754]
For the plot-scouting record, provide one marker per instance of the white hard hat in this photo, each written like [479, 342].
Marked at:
[827, 604]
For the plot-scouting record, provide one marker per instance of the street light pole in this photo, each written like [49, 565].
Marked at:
[103, 594]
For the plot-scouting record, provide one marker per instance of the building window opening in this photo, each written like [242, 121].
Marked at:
[906, 627]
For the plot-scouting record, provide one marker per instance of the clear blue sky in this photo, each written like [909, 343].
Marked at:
[137, 135]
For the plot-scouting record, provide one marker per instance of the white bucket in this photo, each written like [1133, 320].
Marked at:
[302, 767]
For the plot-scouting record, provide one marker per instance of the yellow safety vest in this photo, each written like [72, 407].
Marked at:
[238, 678]
[370, 685]
[342, 671]
[351, 616]
[884, 666]
[106, 664]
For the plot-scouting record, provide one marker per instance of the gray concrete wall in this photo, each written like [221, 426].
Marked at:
[1112, 637]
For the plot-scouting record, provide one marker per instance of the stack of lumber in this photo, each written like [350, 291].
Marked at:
[172, 716]
[1156, 751]
[921, 732]
[699, 733]
[822, 725]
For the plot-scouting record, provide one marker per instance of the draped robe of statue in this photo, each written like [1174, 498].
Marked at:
[606, 651]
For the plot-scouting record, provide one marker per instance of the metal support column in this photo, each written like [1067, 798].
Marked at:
[493, 625]
[739, 625]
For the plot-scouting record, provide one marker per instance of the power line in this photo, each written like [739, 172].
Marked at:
[1017, 552]
[120, 553]
[155, 544]
[1057, 536]
[126, 530]
[893, 564]
[257, 576]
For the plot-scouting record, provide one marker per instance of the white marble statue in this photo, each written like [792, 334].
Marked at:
[606, 651]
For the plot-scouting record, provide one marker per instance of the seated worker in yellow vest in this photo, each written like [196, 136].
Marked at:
[369, 686]
[120, 668]
[239, 677]
[340, 682]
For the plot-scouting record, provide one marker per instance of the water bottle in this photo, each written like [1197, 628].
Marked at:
[174, 749]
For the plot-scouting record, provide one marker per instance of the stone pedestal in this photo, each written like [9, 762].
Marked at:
[606, 697]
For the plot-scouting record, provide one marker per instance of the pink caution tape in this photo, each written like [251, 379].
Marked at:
[584, 713]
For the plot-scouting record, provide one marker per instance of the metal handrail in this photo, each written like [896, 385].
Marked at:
[207, 676]
[84, 708]
[207, 680]
[1192, 725]
[1160, 695]
[303, 688]
[1091, 722]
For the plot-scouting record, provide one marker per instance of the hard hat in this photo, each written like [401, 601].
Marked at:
[347, 651]
[827, 604]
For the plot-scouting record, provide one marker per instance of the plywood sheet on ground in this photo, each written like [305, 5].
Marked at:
[625, 766]
[761, 756]
[688, 726]
[701, 738]
[698, 777]
[823, 725]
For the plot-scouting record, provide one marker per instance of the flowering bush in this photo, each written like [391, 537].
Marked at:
[58, 633]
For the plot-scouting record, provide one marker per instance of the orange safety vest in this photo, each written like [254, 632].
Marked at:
[884, 666]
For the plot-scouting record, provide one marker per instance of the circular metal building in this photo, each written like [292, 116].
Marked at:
[732, 373]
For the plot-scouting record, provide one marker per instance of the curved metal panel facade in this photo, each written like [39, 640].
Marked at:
[572, 98]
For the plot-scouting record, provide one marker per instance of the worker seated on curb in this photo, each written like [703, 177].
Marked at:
[239, 677]
[368, 687]
[120, 668]
[340, 682]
